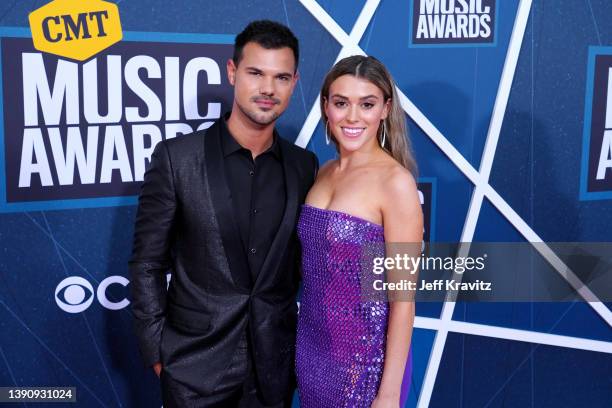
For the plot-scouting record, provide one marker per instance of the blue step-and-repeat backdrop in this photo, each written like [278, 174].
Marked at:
[510, 112]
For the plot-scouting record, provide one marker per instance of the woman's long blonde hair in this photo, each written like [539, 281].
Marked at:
[397, 142]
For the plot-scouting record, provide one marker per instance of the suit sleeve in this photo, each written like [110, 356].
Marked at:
[314, 169]
[315, 160]
[151, 257]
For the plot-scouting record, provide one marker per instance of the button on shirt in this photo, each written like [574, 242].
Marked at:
[258, 195]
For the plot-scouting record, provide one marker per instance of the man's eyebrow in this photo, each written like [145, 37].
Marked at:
[258, 70]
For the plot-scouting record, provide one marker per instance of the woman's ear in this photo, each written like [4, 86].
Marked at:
[386, 109]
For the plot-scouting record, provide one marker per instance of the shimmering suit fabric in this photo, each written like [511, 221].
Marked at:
[341, 335]
[186, 225]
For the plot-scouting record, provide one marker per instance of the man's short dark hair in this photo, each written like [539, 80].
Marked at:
[268, 34]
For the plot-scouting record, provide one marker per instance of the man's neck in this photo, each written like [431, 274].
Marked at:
[249, 135]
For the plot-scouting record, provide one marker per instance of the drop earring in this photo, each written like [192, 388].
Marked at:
[326, 134]
[384, 135]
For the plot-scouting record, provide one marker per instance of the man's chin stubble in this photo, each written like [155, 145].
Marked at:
[256, 118]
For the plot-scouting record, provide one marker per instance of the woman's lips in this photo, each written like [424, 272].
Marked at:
[352, 133]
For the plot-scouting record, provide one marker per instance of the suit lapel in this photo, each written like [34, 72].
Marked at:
[283, 236]
[223, 205]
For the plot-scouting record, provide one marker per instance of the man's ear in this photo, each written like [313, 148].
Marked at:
[296, 77]
[231, 71]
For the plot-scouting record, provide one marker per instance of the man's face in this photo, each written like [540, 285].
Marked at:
[263, 82]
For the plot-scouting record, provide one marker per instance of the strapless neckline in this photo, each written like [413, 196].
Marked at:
[354, 217]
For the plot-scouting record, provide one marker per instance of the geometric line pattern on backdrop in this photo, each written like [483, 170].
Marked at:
[486, 163]
[480, 179]
[506, 333]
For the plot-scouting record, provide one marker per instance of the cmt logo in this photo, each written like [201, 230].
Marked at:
[75, 294]
[596, 178]
[453, 22]
[75, 29]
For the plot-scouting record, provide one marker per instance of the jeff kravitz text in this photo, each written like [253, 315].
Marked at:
[410, 265]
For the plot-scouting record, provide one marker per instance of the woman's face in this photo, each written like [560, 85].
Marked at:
[354, 109]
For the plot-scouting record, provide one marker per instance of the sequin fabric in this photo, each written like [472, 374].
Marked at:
[341, 335]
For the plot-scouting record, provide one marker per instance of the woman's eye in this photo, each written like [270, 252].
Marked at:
[339, 104]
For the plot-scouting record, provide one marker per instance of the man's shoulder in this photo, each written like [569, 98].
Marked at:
[189, 143]
[303, 161]
[295, 151]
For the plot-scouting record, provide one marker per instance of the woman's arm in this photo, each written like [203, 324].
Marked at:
[403, 222]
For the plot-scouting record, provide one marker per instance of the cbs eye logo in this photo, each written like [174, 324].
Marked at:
[75, 294]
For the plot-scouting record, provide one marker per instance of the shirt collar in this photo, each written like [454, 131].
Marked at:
[230, 145]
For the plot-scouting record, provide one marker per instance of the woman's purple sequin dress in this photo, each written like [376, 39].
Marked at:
[341, 335]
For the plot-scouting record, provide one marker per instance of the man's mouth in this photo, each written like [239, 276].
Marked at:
[265, 103]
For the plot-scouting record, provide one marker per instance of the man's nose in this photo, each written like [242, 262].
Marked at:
[266, 87]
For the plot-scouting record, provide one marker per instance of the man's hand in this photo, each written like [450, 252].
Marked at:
[157, 367]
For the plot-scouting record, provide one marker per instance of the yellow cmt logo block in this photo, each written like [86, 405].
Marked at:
[77, 29]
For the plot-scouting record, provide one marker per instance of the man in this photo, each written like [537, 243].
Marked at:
[218, 208]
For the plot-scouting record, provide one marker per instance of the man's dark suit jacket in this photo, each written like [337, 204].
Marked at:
[185, 224]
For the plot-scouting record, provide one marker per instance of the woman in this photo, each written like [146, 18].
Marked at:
[351, 350]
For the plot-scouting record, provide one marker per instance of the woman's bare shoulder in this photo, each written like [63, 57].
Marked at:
[398, 183]
[401, 207]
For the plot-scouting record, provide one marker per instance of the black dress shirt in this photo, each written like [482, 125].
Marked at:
[258, 195]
